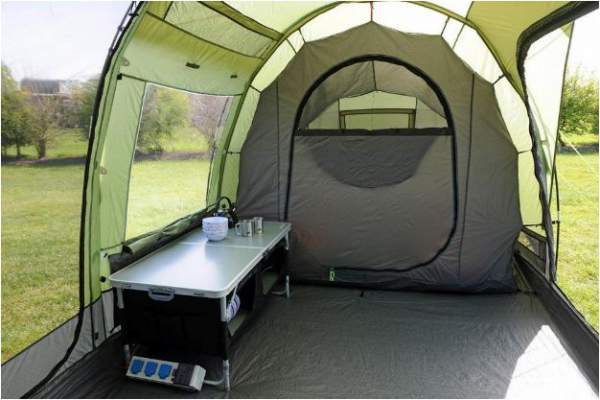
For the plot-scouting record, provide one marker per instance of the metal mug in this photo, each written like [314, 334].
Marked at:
[245, 228]
[258, 225]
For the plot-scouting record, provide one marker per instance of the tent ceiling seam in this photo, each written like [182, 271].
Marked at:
[301, 35]
[287, 39]
[498, 80]
[445, 25]
[168, 10]
[374, 75]
[458, 36]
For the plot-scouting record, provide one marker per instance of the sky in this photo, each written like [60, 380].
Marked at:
[59, 40]
[69, 40]
[584, 44]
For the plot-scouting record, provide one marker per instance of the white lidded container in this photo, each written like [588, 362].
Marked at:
[215, 228]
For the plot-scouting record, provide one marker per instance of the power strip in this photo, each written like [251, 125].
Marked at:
[184, 376]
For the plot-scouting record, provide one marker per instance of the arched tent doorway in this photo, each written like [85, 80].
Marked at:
[379, 158]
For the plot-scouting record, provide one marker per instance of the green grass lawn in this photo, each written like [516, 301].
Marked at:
[69, 143]
[40, 235]
[66, 143]
[577, 269]
[187, 140]
[588, 139]
[156, 199]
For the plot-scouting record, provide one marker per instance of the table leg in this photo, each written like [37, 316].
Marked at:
[121, 306]
[226, 381]
[287, 275]
[223, 309]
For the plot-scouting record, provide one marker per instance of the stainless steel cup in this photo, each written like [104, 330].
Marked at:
[258, 225]
[245, 228]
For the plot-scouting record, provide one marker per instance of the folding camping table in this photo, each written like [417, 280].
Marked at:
[194, 266]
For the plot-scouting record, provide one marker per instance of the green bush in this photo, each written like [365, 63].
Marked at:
[80, 112]
[579, 112]
[17, 117]
[164, 111]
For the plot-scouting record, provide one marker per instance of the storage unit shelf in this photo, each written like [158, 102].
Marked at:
[237, 321]
[269, 280]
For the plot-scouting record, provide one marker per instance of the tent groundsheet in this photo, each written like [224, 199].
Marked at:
[340, 342]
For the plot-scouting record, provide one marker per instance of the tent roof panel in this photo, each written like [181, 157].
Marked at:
[502, 23]
[209, 24]
[162, 53]
[409, 18]
[277, 15]
[336, 20]
[460, 7]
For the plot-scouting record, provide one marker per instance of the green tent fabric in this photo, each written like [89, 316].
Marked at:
[499, 50]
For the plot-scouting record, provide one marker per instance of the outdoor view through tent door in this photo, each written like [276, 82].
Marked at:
[379, 158]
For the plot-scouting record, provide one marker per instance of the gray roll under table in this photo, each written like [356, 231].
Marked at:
[194, 266]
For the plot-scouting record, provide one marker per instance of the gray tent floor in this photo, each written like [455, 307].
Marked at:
[338, 342]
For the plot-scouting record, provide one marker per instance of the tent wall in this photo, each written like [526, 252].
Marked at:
[478, 255]
[502, 23]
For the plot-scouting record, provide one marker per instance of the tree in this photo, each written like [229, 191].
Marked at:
[46, 114]
[164, 111]
[17, 118]
[208, 114]
[83, 100]
[8, 82]
[579, 112]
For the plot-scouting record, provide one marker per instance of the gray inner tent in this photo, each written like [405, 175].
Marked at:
[434, 205]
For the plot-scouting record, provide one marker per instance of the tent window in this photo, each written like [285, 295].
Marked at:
[176, 139]
[378, 110]
[377, 119]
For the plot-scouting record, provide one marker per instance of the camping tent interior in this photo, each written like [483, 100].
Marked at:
[411, 147]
